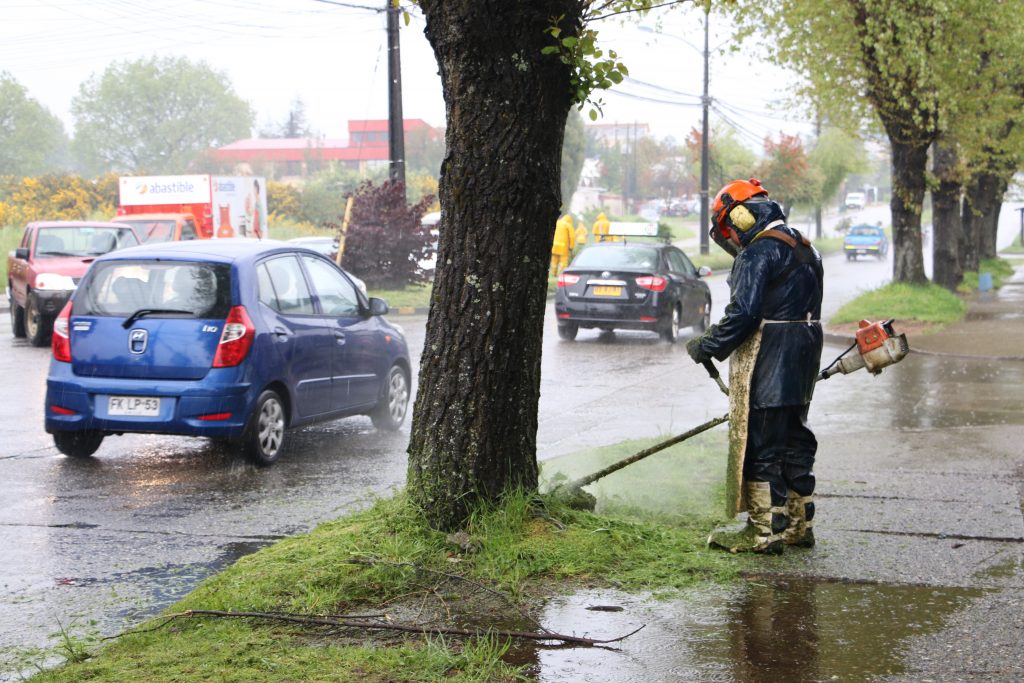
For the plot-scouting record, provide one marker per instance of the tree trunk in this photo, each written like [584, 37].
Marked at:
[980, 196]
[909, 162]
[475, 420]
[946, 217]
[990, 221]
[817, 222]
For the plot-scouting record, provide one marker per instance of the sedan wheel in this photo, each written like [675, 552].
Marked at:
[568, 331]
[394, 402]
[78, 444]
[35, 327]
[670, 332]
[705, 318]
[265, 438]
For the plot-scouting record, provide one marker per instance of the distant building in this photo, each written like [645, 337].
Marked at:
[295, 158]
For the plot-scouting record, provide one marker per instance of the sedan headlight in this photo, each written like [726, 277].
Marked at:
[54, 282]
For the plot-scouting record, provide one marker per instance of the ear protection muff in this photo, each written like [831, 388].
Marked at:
[741, 219]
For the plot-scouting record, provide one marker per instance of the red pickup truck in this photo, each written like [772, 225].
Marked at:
[47, 265]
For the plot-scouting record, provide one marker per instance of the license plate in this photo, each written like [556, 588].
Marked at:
[136, 406]
[607, 291]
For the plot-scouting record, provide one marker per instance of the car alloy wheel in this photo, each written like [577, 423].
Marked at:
[265, 439]
[705, 317]
[671, 332]
[394, 403]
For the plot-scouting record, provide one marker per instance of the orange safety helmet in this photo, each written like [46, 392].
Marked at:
[735, 192]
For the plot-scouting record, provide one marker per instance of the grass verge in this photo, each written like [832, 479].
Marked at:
[918, 303]
[417, 296]
[999, 268]
[386, 561]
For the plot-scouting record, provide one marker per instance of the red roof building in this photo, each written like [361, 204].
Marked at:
[366, 147]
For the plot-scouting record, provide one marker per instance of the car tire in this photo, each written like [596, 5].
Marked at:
[264, 437]
[705, 317]
[670, 328]
[568, 331]
[17, 316]
[80, 444]
[37, 328]
[394, 401]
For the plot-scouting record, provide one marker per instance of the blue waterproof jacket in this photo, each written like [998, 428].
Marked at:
[773, 281]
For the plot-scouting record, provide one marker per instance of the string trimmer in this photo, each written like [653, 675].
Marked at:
[878, 346]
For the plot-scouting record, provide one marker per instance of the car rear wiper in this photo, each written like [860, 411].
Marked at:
[143, 312]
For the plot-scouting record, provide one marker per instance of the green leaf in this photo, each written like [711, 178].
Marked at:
[550, 50]
[569, 41]
[593, 115]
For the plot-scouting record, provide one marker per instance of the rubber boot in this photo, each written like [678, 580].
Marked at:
[800, 532]
[756, 536]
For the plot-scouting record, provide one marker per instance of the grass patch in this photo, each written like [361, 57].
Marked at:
[679, 227]
[1015, 248]
[999, 268]
[385, 560]
[922, 303]
[10, 238]
[417, 296]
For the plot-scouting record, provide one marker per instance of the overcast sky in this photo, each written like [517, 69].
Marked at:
[335, 59]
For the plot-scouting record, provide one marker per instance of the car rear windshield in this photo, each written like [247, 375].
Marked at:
[617, 257]
[865, 230]
[173, 288]
[153, 230]
[82, 241]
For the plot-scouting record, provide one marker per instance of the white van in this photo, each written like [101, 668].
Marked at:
[854, 200]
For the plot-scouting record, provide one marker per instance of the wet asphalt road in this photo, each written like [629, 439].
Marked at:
[97, 545]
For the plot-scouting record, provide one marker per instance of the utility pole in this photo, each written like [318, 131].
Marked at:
[705, 222]
[396, 123]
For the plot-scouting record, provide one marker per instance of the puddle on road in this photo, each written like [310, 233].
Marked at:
[774, 629]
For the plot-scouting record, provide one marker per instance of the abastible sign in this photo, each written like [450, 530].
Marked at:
[167, 189]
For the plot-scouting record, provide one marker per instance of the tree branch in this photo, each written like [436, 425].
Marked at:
[344, 622]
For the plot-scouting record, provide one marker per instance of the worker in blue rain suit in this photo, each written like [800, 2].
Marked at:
[772, 335]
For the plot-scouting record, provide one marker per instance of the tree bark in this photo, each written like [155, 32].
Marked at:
[475, 419]
[990, 221]
[909, 163]
[979, 198]
[946, 216]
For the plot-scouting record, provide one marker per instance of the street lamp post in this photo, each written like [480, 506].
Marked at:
[702, 229]
[396, 129]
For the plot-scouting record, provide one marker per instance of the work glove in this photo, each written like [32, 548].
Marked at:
[698, 354]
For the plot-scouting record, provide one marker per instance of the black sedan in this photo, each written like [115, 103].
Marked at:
[632, 286]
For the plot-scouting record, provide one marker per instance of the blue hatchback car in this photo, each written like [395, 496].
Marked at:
[232, 339]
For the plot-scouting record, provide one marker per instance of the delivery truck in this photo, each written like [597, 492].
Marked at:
[184, 207]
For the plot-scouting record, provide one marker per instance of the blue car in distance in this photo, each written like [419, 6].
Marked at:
[865, 240]
[230, 339]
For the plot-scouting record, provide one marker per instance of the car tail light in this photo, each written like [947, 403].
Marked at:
[655, 283]
[61, 410]
[235, 340]
[61, 340]
[566, 279]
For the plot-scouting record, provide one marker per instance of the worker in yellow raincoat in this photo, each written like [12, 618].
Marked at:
[601, 227]
[581, 231]
[562, 245]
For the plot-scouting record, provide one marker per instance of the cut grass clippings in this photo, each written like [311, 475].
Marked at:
[930, 305]
[385, 561]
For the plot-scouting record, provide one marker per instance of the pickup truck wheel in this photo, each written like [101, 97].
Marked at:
[78, 444]
[37, 329]
[17, 316]
[394, 401]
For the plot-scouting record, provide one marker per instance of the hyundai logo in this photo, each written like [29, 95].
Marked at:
[137, 341]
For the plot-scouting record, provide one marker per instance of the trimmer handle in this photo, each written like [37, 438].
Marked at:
[713, 371]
